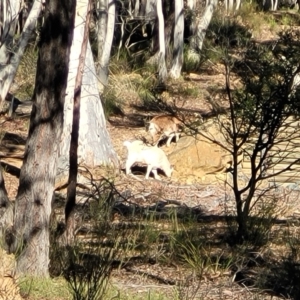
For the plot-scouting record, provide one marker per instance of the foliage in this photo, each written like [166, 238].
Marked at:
[263, 112]
[86, 265]
[228, 33]
[110, 102]
[87, 271]
[26, 74]
[140, 84]
[126, 62]
[44, 288]
[283, 275]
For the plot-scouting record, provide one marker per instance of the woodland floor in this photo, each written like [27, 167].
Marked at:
[207, 201]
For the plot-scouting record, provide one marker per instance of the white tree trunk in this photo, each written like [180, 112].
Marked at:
[191, 4]
[196, 41]
[8, 72]
[178, 40]
[101, 27]
[136, 8]
[275, 5]
[8, 22]
[150, 7]
[95, 146]
[230, 5]
[238, 5]
[151, 17]
[162, 68]
[104, 60]
[143, 6]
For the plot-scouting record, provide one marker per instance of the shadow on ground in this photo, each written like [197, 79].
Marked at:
[167, 224]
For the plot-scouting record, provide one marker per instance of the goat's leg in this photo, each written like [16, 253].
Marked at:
[170, 139]
[156, 176]
[149, 168]
[129, 163]
[155, 144]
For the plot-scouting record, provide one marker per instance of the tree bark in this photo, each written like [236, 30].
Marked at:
[95, 147]
[105, 55]
[162, 68]
[151, 16]
[9, 11]
[83, 10]
[4, 202]
[190, 4]
[175, 71]
[101, 28]
[3, 193]
[9, 69]
[37, 177]
[196, 41]
[6, 216]
[136, 8]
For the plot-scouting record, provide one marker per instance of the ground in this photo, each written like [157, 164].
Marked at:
[202, 196]
[205, 198]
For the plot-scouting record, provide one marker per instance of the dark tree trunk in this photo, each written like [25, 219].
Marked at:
[3, 193]
[73, 172]
[33, 203]
[6, 216]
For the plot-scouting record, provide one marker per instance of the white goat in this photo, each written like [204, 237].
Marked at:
[165, 125]
[155, 158]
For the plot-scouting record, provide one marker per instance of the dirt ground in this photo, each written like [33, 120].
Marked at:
[207, 198]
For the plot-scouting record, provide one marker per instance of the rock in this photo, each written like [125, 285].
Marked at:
[195, 158]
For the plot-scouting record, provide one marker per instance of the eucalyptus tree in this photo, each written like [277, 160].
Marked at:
[231, 5]
[162, 68]
[200, 26]
[175, 71]
[4, 203]
[9, 14]
[37, 177]
[88, 125]
[106, 11]
[101, 23]
[95, 147]
[11, 55]
[83, 10]
[261, 126]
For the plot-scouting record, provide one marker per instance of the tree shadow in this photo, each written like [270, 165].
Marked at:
[278, 277]
[144, 113]
[136, 212]
[15, 171]
[14, 138]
